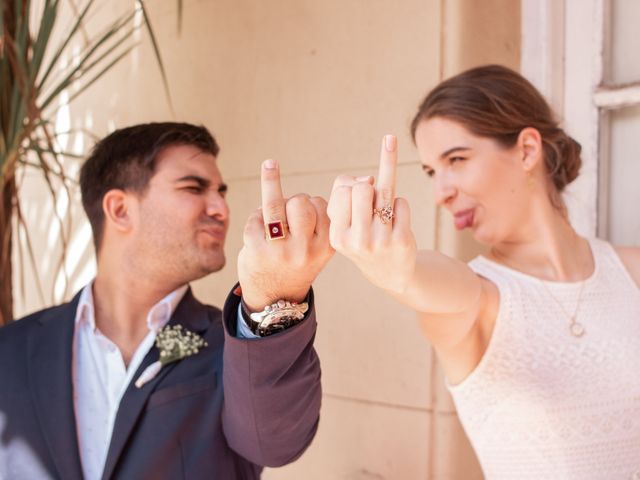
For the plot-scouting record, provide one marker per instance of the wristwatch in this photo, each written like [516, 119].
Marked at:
[276, 317]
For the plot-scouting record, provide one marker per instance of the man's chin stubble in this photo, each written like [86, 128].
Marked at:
[216, 267]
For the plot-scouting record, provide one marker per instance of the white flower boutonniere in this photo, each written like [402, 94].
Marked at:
[174, 343]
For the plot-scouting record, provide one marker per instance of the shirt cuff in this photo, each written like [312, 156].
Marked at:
[243, 329]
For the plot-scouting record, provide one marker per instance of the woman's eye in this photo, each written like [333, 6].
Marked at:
[430, 172]
[456, 159]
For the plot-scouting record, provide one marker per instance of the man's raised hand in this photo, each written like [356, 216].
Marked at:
[286, 244]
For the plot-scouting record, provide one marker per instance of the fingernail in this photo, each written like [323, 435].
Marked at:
[365, 178]
[390, 143]
[270, 164]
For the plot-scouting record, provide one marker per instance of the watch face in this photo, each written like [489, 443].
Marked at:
[279, 326]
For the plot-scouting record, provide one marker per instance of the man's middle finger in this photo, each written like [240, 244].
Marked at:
[273, 203]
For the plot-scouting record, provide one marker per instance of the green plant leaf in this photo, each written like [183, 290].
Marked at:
[22, 226]
[101, 73]
[56, 57]
[31, 81]
[156, 50]
[47, 22]
[73, 74]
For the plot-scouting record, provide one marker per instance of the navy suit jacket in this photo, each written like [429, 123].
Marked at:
[236, 406]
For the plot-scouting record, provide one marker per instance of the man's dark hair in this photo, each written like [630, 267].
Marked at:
[126, 160]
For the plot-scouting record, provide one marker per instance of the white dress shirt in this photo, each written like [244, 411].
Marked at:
[100, 376]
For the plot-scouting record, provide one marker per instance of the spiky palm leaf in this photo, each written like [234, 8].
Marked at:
[32, 80]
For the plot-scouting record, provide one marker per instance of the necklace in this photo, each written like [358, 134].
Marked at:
[576, 328]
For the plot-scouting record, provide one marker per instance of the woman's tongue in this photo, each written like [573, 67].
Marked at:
[464, 219]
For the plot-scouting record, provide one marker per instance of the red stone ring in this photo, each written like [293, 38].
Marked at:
[276, 230]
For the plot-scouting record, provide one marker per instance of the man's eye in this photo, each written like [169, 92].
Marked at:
[223, 191]
[194, 188]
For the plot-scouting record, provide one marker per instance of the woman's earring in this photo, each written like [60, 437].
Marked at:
[530, 181]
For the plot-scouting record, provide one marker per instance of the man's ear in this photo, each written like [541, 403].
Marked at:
[119, 209]
[530, 145]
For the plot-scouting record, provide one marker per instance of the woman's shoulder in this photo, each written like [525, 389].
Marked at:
[630, 257]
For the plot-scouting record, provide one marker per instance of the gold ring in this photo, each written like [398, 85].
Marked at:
[276, 230]
[385, 214]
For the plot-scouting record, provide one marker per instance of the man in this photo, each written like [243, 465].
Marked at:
[83, 389]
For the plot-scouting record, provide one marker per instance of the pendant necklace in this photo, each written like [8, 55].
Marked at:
[575, 327]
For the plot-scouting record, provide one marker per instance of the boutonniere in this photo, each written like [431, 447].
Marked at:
[174, 343]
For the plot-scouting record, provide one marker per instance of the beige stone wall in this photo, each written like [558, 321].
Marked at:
[314, 84]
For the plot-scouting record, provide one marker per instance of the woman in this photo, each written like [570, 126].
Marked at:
[540, 338]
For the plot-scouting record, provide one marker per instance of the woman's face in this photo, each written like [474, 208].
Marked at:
[483, 184]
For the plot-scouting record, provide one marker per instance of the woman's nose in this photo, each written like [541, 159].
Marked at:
[444, 191]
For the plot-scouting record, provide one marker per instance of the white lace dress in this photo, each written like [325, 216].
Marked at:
[544, 404]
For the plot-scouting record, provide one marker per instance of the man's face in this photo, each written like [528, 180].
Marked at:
[183, 216]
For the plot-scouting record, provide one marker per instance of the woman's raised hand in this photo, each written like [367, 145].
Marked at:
[371, 227]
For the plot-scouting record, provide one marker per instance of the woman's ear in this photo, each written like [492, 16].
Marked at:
[530, 144]
[116, 205]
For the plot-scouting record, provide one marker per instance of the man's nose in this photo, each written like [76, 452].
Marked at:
[217, 206]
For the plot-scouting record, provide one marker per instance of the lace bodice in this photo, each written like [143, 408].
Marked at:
[544, 404]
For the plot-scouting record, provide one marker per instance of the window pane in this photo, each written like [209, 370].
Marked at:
[623, 189]
[625, 42]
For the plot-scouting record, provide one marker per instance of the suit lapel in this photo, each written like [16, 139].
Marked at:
[191, 315]
[49, 365]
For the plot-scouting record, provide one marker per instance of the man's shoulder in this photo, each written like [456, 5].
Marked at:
[212, 309]
[199, 304]
[20, 328]
[197, 315]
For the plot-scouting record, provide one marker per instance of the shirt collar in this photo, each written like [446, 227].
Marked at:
[161, 312]
[158, 316]
[85, 311]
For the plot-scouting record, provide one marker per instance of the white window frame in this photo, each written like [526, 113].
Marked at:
[564, 50]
